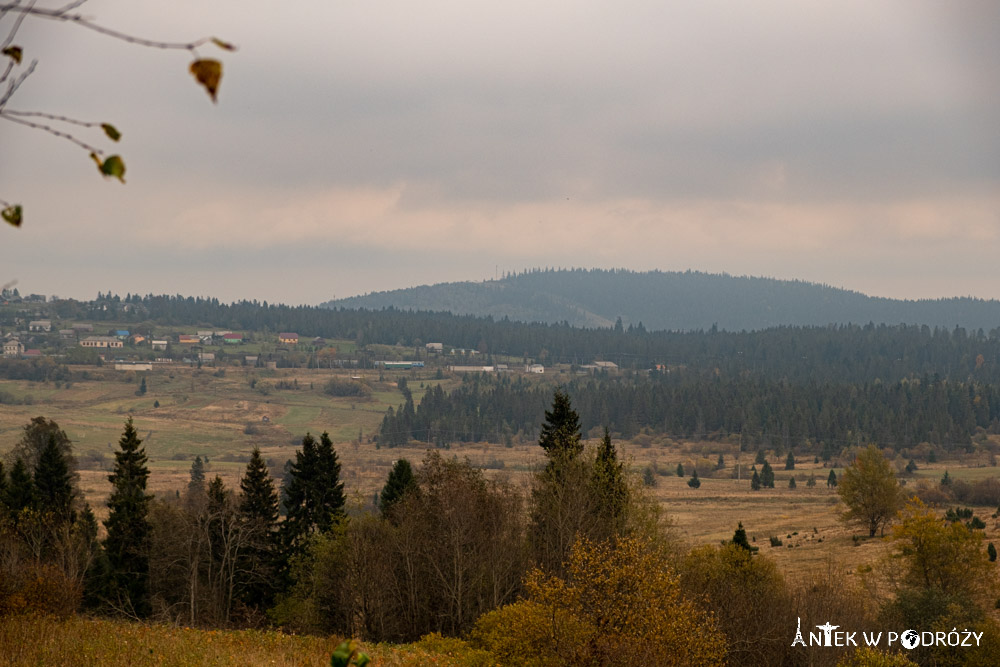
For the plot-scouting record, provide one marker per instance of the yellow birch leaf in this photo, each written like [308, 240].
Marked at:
[208, 72]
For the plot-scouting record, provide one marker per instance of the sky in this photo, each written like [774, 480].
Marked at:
[360, 146]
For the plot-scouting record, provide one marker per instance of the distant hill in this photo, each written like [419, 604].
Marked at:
[687, 300]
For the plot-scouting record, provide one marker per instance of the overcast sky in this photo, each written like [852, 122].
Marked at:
[368, 145]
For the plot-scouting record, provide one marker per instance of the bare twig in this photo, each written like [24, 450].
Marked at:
[49, 116]
[51, 130]
[80, 20]
[27, 9]
[7, 70]
[16, 83]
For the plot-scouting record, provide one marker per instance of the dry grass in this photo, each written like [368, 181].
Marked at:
[88, 642]
[204, 413]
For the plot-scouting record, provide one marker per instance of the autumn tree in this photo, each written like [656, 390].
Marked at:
[617, 603]
[127, 543]
[35, 437]
[943, 579]
[747, 596]
[869, 489]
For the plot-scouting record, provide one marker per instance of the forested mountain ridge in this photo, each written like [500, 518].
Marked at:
[673, 300]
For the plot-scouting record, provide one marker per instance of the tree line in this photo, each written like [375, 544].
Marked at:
[841, 353]
[821, 416]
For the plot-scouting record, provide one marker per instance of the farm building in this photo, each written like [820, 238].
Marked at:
[101, 342]
[288, 338]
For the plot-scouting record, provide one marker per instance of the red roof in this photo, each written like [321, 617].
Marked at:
[233, 336]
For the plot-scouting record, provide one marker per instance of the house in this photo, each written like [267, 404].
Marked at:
[232, 338]
[606, 365]
[83, 328]
[101, 341]
[40, 325]
[471, 369]
[288, 338]
[138, 339]
[205, 334]
[318, 341]
[188, 339]
[119, 333]
[159, 344]
[534, 368]
[206, 357]
[13, 348]
[250, 359]
[437, 348]
[67, 334]
[32, 353]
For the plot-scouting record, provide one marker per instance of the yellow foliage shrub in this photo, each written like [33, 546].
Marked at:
[619, 604]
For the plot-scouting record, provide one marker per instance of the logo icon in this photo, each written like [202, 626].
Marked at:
[910, 639]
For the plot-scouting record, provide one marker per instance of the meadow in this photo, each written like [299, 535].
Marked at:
[221, 413]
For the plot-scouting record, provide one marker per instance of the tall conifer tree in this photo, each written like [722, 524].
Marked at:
[128, 528]
[560, 434]
[54, 490]
[20, 489]
[400, 481]
[258, 510]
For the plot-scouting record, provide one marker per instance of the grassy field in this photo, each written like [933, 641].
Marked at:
[221, 417]
[86, 642]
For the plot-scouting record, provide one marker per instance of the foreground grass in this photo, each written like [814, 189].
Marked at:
[84, 642]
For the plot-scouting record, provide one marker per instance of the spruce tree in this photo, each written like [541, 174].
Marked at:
[694, 482]
[196, 478]
[329, 489]
[314, 494]
[791, 482]
[760, 457]
[740, 539]
[610, 488]
[831, 481]
[680, 469]
[128, 528]
[20, 492]
[560, 434]
[399, 482]
[3, 485]
[767, 475]
[258, 496]
[298, 524]
[790, 461]
[991, 552]
[54, 490]
[755, 481]
[721, 463]
[258, 512]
